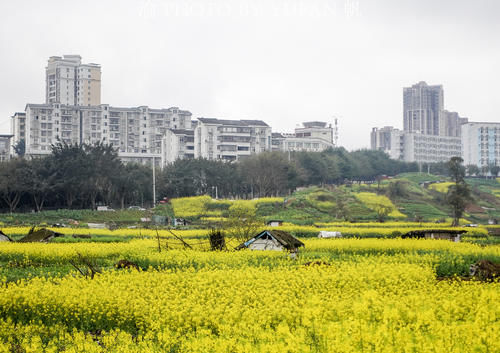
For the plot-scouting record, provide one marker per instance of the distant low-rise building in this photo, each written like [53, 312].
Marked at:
[415, 147]
[177, 144]
[5, 147]
[481, 143]
[18, 128]
[422, 148]
[389, 140]
[230, 140]
[314, 136]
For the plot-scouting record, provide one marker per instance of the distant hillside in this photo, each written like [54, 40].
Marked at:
[408, 197]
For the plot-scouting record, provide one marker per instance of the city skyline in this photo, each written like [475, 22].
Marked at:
[283, 65]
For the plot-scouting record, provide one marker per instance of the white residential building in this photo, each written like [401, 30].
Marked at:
[177, 144]
[389, 140]
[18, 128]
[5, 147]
[314, 136]
[422, 148]
[135, 132]
[230, 139]
[481, 143]
[70, 82]
[415, 147]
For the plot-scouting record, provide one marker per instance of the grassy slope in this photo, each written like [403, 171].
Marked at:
[312, 205]
[315, 205]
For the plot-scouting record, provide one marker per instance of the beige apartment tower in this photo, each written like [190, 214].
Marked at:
[69, 82]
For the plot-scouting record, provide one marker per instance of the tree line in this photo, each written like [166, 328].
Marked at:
[84, 176]
[276, 173]
[73, 176]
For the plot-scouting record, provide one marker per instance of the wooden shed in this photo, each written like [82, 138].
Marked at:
[272, 240]
[446, 234]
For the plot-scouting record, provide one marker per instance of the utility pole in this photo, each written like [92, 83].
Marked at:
[154, 183]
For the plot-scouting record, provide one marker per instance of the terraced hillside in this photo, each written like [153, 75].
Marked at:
[407, 197]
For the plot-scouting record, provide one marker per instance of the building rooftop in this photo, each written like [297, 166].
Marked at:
[232, 122]
[183, 132]
[310, 124]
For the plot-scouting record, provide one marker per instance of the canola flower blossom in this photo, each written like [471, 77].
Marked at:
[197, 206]
[441, 187]
[372, 201]
[376, 295]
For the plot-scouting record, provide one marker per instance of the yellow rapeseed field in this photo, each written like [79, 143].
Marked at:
[383, 297]
[441, 187]
[372, 201]
[198, 206]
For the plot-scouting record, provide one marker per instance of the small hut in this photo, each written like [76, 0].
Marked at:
[4, 237]
[274, 222]
[42, 235]
[272, 240]
[445, 234]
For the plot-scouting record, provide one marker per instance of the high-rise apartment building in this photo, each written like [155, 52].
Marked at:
[422, 108]
[431, 134]
[70, 82]
[481, 144]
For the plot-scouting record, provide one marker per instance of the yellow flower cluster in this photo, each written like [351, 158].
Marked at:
[430, 225]
[351, 229]
[197, 206]
[132, 232]
[190, 206]
[441, 187]
[372, 201]
[369, 303]
[371, 231]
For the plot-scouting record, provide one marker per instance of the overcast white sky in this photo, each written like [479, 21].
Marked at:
[282, 61]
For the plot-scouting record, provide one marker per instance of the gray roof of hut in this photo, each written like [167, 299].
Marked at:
[4, 236]
[287, 240]
[40, 235]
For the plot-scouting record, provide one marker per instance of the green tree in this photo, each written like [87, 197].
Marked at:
[382, 212]
[12, 182]
[39, 180]
[243, 221]
[20, 147]
[398, 188]
[494, 170]
[472, 169]
[459, 193]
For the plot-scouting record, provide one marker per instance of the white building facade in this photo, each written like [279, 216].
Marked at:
[135, 132]
[177, 144]
[314, 136]
[5, 147]
[230, 140]
[481, 144]
[70, 82]
[422, 148]
[389, 140]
